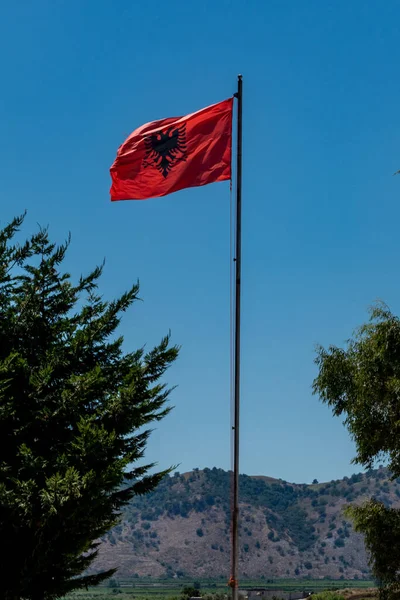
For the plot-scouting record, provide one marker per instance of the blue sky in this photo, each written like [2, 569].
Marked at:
[320, 205]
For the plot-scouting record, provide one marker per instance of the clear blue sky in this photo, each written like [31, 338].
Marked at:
[320, 206]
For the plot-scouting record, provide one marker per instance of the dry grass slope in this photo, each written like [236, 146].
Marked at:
[287, 530]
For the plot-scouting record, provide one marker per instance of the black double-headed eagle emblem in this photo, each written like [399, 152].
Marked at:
[164, 149]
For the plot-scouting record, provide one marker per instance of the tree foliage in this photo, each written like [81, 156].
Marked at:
[74, 412]
[381, 528]
[191, 592]
[362, 384]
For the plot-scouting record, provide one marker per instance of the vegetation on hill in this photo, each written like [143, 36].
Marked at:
[182, 529]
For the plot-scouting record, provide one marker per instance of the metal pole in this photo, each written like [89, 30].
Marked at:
[238, 260]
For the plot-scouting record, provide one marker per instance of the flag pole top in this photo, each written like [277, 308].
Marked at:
[240, 84]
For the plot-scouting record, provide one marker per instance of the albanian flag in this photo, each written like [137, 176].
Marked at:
[174, 153]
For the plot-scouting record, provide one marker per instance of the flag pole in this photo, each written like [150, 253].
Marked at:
[236, 423]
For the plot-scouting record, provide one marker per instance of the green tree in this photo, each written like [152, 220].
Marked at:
[74, 411]
[362, 384]
[191, 592]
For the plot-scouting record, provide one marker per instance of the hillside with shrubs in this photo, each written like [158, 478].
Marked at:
[287, 530]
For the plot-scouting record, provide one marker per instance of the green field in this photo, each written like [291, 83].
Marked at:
[161, 590]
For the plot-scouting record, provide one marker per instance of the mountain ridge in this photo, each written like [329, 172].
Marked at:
[182, 529]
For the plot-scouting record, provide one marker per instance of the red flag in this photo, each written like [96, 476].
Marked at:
[175, 153]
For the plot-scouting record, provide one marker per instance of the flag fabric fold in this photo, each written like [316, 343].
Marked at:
[171, 154]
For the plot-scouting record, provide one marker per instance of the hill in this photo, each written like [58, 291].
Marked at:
[182, 529]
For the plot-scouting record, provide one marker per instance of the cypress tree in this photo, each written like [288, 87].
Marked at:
[74, 412]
